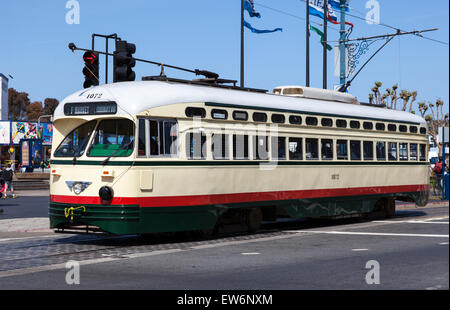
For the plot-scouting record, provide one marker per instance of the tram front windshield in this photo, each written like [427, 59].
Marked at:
[113, 137]
[76, 141]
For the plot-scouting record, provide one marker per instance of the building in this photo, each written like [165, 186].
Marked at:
[3, 97]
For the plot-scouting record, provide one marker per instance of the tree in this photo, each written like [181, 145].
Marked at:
[435, 119]
[390, 97]
[50, 105]
[34, 110]
[17, 103]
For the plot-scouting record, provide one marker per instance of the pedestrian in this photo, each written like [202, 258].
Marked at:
[8, 175]
[2, 181]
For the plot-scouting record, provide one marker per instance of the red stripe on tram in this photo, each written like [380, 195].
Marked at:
[194, 200]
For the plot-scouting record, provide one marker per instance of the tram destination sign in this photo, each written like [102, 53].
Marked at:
[90, 108]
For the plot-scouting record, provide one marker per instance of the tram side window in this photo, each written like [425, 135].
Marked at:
[381, 150]
[392, 151]
[278, 148]
[312, 149]
[413, 151]
[240, 146]
[355, 124]
[295, 149]
[392, 127]
[423, 152]
[196, 145]
[403, 151]
[163, 137]
[295, 120]
[327, 122]
[368, 125]
[311, 121]
[355, 150]
[342, 149]
[380, 126]
[341, 123]
[220, 146]
[327, 149]
[260, 148]
[368, 150]
[403, 128]
[142, 144]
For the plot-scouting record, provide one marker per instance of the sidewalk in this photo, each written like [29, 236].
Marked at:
[33, 192]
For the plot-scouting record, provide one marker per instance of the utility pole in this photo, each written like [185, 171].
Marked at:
[325, 16]
[307, 44]
[342, 50]
[388, 38]
[242, 43]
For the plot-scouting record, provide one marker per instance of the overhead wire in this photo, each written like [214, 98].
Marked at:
[388, 26]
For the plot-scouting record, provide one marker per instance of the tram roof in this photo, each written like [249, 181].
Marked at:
[135, 97]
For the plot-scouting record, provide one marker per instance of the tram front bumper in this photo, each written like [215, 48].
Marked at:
[116, 219]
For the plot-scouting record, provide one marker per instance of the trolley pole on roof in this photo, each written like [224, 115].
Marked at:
[325, 16]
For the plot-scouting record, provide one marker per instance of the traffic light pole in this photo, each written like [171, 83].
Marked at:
[342, 60]
[207, 74]
[107, 37]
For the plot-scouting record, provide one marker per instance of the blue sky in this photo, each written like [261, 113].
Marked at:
[205, 34]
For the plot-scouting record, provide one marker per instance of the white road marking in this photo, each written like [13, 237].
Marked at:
[443, 243]
[375, 234]
[254, 253]
[359, 250]
[412, 222]
[26, 238]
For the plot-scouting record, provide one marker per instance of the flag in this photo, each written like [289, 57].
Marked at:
[246, 24]
[249, 6]
[316, 9]
[320, 33]
[336, 4]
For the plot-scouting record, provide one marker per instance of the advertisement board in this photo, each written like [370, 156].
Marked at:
[23, 130]
[5, 132]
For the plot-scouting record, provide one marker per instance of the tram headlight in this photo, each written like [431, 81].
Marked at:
[106, 194]
[77, 188]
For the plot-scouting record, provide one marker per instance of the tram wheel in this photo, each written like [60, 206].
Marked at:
[389, 208]
[384, 208]
[254, 219]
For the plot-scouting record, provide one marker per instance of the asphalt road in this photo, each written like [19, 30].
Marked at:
[407, 252]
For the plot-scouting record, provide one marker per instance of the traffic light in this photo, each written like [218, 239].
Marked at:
[91, 69]
[122, 63]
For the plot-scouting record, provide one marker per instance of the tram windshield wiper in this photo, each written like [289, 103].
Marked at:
[124, 147]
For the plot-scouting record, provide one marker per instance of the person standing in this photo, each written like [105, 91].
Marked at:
[8, 175]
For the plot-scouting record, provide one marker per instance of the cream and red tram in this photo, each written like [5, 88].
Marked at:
[162, 156]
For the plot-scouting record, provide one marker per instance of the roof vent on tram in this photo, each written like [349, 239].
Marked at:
[314, 93]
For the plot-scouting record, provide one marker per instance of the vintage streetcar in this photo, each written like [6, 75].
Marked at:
[169, 155]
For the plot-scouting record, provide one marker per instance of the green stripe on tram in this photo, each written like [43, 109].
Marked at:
[233, 163]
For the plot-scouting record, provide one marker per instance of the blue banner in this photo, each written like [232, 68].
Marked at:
[249, 6]
[246, 24]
